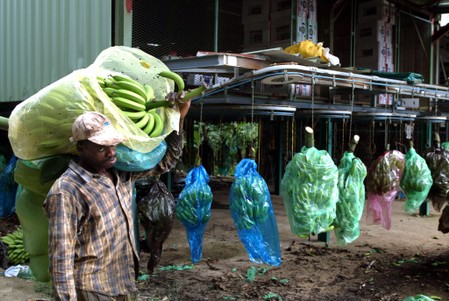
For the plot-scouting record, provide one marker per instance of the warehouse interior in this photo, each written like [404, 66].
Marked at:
[390, 85]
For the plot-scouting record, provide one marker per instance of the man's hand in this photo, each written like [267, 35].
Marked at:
[175, 97]
[184, 108]
[179, 100]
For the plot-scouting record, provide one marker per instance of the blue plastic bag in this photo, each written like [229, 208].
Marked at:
[253, 214]
[193, 209]
[131, 160]
[8, 189]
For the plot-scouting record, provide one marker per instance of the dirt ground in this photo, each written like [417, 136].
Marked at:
[409, 259]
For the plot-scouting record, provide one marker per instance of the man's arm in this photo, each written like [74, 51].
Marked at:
[62, 230]
[174, 144]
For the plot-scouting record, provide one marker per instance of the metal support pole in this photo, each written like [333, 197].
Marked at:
[217, 9]
[278, 171]
[424, 209]
[329, 137]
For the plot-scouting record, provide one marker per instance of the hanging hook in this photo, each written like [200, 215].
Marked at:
[252, 101]
[200, 130]
[352, 107]
[313, 98]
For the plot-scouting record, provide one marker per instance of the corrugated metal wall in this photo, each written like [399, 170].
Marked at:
[44, 40]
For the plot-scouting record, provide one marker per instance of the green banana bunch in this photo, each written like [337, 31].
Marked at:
[136, 101]
[309, 191]
[385, 173]
[194, 202]
[194, 209]
[248, 205]
[16, 250]
[49, 116]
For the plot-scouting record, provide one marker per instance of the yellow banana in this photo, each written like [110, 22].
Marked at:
[134, 115]
[124, 103]
[133, 86]
[149, 91]
[143, 121]
[150, 124]
[158, 125]
[130, 95]
[174, 77]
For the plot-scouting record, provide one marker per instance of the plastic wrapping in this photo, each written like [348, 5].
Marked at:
[445, 145]
[130, 160]
[40, 126]
[3, 162]
[253, 214]
[309, 191]
[443, 221]
[419, 297]
[8, 188]
[382, 185]
[351, 187]
[416, 180]
[437, 160]
[193, 209]
[156, 215]
[30, 198]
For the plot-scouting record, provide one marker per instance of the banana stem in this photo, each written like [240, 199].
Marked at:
[157, 104]
[310, 142]
[4, 125]
[193, 93]
[436, 140]
[197, 160]
[353, 143]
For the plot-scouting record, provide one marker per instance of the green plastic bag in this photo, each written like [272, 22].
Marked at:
[416, 180]
[351, 174]
[445, 145]
[309, 192]
[30, 198]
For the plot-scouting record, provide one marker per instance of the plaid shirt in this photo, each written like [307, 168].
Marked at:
[91, 228]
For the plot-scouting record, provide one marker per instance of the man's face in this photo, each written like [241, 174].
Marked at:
[95, 156]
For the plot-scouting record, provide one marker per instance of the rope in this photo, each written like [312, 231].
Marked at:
[200, 128]
[313, 98]
[352, 108]
[293, 135]
[252, 102]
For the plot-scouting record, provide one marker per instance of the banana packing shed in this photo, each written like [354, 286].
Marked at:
[237, 48]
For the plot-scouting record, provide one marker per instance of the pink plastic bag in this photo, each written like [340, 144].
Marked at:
[379, 208]
[382, 185]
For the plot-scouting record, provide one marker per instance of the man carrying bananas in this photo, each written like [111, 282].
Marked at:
[92, 247]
